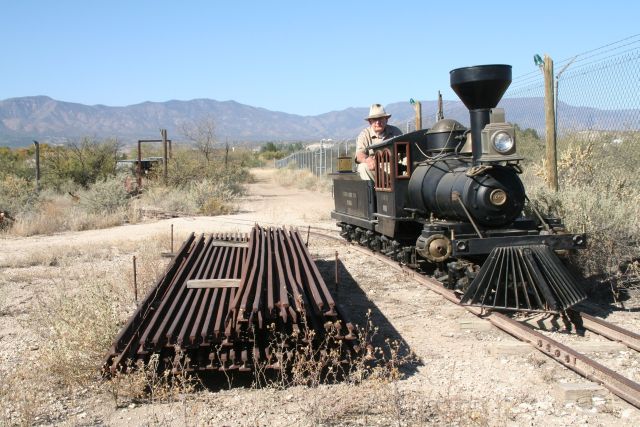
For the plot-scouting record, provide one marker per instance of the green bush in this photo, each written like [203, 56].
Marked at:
[18, 162]
[17, 195]
[83, 162]
[105, 196]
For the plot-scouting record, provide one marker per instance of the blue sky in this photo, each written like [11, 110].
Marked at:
[294, 56]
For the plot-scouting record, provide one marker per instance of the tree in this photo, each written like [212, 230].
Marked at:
[202, 134]
[82, 162]
[269, 146]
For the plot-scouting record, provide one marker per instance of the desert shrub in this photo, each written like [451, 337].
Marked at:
[105, 196]
[203, 196]
[214, 206]
[271, 150]
[55, 213]
[77, 320]
[17, 162]
[599, 194]
[77, 326]
[145, 382]
[189, 165]
[17, 195]
[210, 193]
[170, 199]
[82, 162]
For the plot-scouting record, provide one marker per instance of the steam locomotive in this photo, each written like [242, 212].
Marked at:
[449, 201]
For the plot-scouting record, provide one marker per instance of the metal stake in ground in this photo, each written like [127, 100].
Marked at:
[135, 281]
[337, 275]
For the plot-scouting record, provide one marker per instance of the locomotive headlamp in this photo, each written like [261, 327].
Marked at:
[502, 142]
[498, 139]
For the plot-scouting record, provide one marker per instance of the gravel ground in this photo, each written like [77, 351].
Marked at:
[459, 380]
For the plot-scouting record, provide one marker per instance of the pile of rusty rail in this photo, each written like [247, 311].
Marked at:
[224, 300]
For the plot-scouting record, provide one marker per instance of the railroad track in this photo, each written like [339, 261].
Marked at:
[619, 385]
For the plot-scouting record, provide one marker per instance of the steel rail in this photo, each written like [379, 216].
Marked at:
[610, 331]
[619, 385]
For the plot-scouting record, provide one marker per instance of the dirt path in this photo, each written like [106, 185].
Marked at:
[464, 377]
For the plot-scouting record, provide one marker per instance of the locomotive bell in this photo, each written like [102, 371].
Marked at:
[480, 88]
[444, 136]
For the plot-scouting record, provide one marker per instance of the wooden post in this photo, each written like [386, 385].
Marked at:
[139, 168]
[226, 153]
[418, 108]
[165, 158]
[550, 121]
[37, 154]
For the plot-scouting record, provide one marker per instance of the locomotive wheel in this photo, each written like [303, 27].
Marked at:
[437, 248]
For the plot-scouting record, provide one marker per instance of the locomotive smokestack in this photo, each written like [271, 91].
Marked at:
[480, 88]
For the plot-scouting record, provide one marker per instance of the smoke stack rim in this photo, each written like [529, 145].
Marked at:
[481, 86]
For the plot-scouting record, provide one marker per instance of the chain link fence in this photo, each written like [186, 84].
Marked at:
[319, 159]
[597, 97]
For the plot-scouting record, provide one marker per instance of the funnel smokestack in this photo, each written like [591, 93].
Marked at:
[480, 88]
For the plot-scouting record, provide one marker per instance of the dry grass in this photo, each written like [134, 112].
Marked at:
[303, 179]
[77, 318]
[106, 203]
[55, 217]
[73, 318]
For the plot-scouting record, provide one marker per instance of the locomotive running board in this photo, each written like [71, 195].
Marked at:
[523, 278]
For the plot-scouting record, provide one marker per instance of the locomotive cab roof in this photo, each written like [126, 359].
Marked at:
[415, 136]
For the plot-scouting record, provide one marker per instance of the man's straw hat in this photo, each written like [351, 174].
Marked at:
[377, 112]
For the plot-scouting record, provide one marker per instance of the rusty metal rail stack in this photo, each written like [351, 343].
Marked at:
[223, 301]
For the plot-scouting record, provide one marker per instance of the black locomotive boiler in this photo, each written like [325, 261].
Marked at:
[449, 201]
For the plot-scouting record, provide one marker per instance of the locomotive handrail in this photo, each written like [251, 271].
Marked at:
[456, 197]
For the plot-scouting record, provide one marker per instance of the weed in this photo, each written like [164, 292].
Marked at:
[146, 383]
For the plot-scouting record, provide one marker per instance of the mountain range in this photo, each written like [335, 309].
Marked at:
[45, 119]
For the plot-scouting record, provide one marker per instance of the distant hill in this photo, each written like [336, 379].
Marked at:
[40, 117]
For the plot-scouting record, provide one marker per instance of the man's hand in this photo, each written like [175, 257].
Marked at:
[371, 163]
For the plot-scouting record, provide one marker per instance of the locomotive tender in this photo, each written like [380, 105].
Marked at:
[449, 201]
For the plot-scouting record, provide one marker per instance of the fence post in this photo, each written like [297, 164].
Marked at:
[418, 107]
[550, 121]
[165, 158]
[139, 168]
[37, 154]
